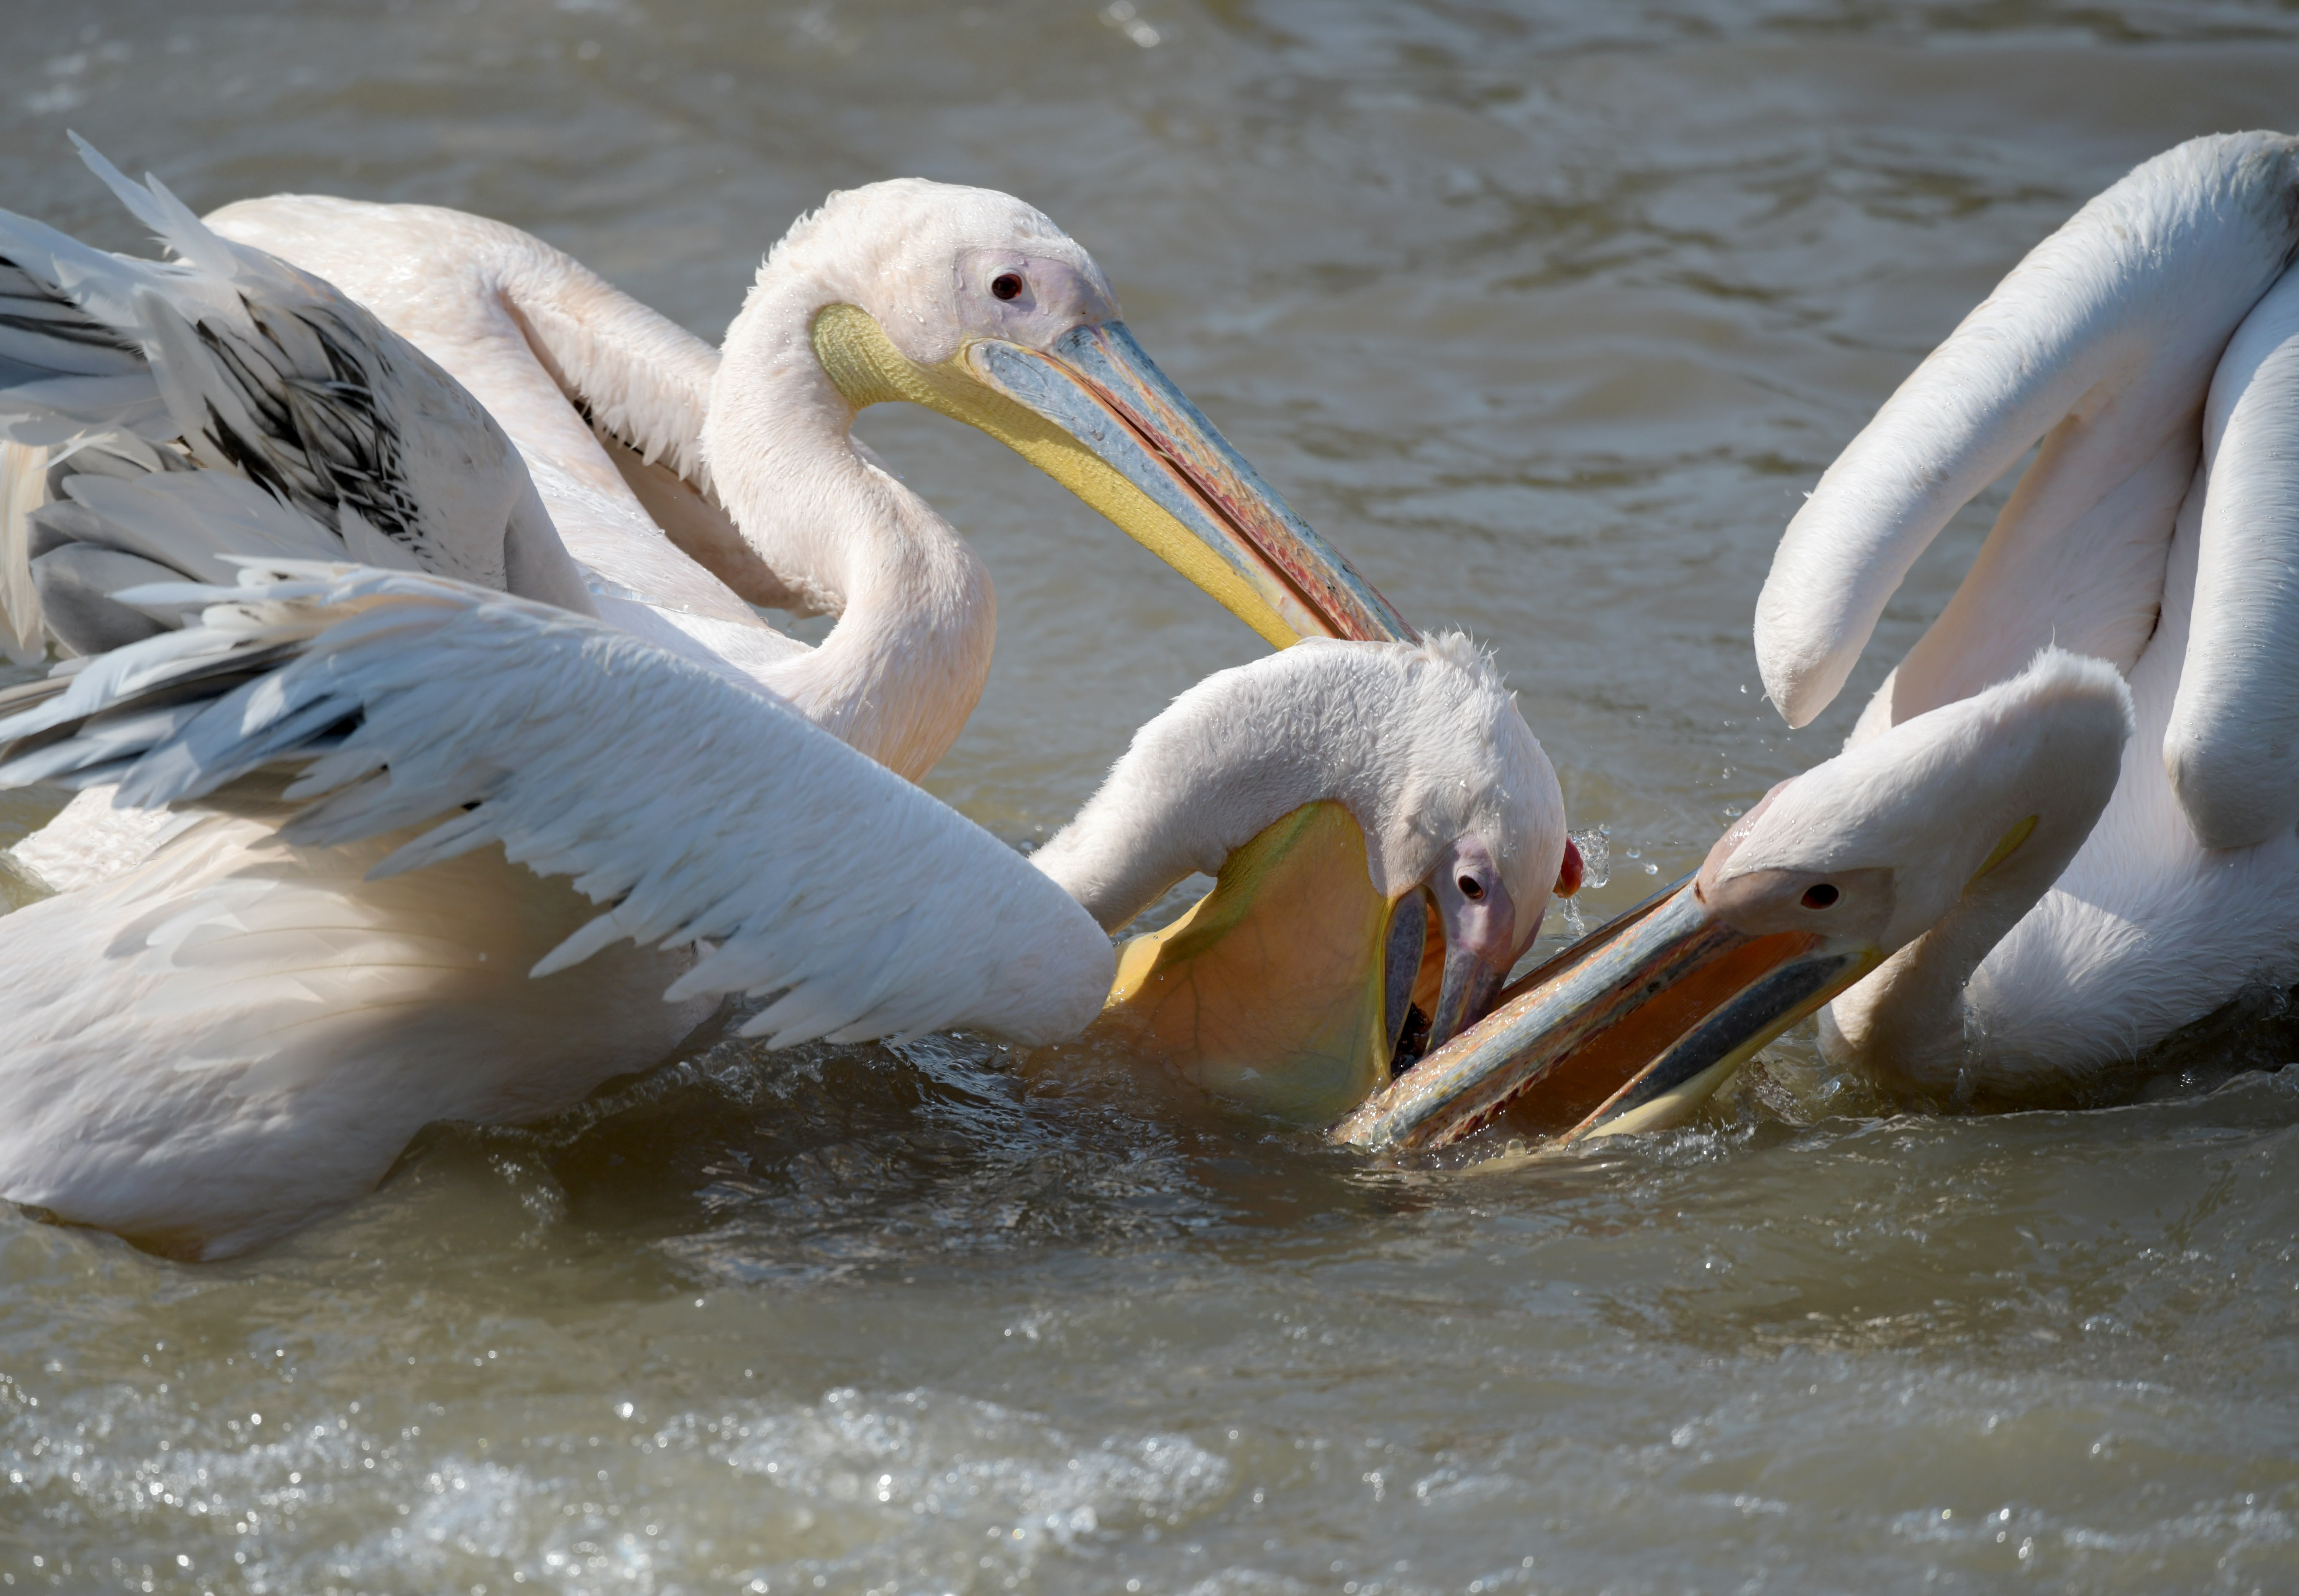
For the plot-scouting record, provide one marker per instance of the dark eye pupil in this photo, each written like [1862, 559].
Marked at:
[1820, 896]
[1471, 888]
[1006, 285]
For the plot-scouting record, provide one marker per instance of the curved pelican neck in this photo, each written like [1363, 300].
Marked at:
[900, 672]
[1909, 1020]
[1160, 818]
[1418, 742]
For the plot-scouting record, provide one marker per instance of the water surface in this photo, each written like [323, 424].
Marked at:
[1548, 314]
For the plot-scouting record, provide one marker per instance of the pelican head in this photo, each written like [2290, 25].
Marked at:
[970, 302]
[1908, 856]
[1384, 832]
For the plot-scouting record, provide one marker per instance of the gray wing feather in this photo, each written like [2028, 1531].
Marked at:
[228, 359]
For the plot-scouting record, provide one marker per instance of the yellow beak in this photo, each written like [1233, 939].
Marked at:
[1285, 986]
[1631, 1028]
[1096, 414]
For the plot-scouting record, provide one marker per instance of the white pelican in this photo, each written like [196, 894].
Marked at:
[2149, 344]
[961, 298]
[243, 1030]
[2152, 345]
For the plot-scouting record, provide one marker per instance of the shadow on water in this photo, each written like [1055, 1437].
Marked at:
[826, 1163]
[1821, 1218]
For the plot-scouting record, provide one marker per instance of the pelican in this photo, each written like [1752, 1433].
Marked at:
[2148, 347]
[700, 481]
[686, 483]
[2036, 868]
[328, 949]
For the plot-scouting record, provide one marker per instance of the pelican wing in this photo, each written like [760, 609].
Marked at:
[695, 811]
[2101, 343]
[22, 491]
[2232, 744]
[342, 439]
[641, 381]
[639, 378]
[689, 808]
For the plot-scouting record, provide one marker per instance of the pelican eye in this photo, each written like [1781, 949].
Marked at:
[1471, 888]
[1821, 897]
[1007, 285]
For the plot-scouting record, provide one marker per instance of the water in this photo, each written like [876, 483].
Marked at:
[1548, 315]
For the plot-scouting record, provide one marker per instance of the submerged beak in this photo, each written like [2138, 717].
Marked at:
[1465, 994]
[1629, 1029]
[1285, 986]
[1096, 414]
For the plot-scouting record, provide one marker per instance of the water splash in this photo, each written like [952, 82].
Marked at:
[1596, 848]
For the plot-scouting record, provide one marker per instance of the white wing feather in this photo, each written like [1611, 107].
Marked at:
[22, 486]
[2232, 745]
[2104, 338]
[697, 812]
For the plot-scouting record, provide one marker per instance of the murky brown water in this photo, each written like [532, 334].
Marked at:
[1547, 314]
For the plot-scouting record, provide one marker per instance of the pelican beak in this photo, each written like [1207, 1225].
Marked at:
[1094, 412]
[1629, 1029]
[1203, 497]
[1464, 993]
[1285, 988]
